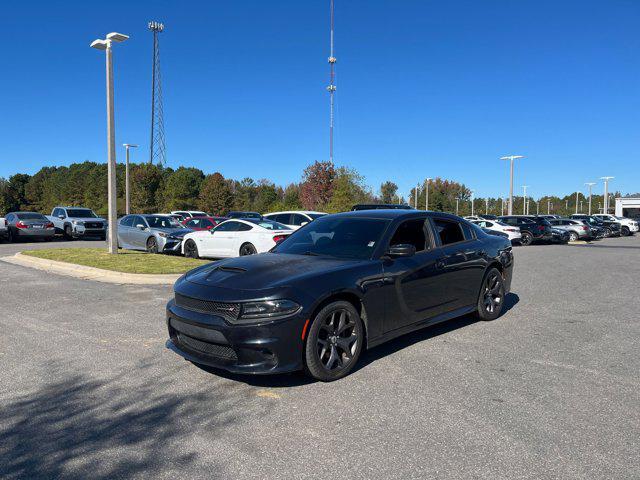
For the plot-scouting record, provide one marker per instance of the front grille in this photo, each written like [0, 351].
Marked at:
[226, 310]
[93, 225]
[215, 350]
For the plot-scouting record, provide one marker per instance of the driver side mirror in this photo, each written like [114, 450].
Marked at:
[61, 217]
[401, 250]
[140, 226]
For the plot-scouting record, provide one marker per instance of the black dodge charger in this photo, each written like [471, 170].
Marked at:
[336, 286]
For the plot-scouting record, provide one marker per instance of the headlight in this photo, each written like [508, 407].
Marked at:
[162, 234]
[267, 309]
[77, 222]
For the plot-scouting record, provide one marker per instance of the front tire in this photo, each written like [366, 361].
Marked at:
[491, 298]
[191, 249]
[526, 239]
[152, 245]
[624, 231]
[68, 233]
[607, 232]
[247, 249]
[334, 342]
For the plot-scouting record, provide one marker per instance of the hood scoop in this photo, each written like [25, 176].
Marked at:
[230, 269]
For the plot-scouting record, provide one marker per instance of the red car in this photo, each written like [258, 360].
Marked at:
[202, 223]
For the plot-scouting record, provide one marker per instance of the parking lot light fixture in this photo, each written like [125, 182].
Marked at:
[105, 44]
[127, 146]
[511, 158]
[590, 185]
[606, 192]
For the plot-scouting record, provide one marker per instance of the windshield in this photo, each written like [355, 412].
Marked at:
[620, 218]
[162, 222]
[80, 213]
[268, 224]
[354, 238]
[30, 216]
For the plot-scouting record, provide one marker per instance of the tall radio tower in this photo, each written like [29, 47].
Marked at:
[157, 150]
[331, 88]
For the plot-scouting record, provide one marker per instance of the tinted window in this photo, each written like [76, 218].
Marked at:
[228, 227]
[281, 218]
[510, 221]
[137, 220]
[467, 232]
[448, 231]
[127, 221]
[354, 238]
[411, 232]
[268, 224]
[192, 223]
[243, 227]
[81, 213]
[30, 216]
[206, 223]
[297, 219]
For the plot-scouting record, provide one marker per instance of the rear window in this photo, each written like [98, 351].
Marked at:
[268, 224]
[30, 216]
[81, 213]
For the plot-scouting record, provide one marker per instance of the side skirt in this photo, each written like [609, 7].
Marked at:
[443, 317]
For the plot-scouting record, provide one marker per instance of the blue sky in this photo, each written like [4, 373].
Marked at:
[425, 88]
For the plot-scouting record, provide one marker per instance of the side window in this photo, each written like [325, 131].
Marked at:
[138, 220]
[509, 221]
[205, 223]
[482, 224]
[191, 223]
[486, 224]
[56, 212]
[228, 227]
[127, 221]
[243, 227]
[9, 218]
[284, 218]
[411, 232]
[448, 231]
[467, 231]
[297, 219]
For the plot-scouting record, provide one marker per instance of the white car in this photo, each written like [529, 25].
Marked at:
[631, 225]
[498, 226]
[294, 219]
[189, 213]
[235, 237]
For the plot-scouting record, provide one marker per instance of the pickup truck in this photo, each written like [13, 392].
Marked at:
[627, 225]
[74, 222]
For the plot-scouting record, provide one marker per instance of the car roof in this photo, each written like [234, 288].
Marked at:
[392, 214]
[295, 211]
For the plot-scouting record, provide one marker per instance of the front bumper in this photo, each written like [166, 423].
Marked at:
[80, 230]
[172, 245]
[274, 347]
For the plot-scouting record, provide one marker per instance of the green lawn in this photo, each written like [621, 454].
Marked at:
[127, 261]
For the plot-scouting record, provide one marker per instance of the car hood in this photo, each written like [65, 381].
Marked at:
[86, 219]
[177, 232]
[263, 271]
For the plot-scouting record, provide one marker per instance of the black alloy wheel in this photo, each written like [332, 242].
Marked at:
[68, 233]
[573, 236]
[247, 249]
[607, 232]
[191, 249]
[624, 231]
[334, 342]
[526, 239]
[491, 300]
[152, 245]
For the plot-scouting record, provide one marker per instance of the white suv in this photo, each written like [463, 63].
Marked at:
[294, 219]
[627, 226]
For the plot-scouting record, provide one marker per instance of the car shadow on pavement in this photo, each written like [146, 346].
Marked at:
[134, 424]
[296, 379]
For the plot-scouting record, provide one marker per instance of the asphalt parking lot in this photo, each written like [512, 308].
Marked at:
[549, 390]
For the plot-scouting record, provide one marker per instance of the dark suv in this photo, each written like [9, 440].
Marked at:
[611, 229]
[533, 229]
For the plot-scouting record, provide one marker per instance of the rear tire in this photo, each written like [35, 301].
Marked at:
[491, 297]
[334, 342]
[247, 249]
[526, 239]
[152, 245]
[573, 236]
[191, 249]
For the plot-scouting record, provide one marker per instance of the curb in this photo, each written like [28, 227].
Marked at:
[90, 273]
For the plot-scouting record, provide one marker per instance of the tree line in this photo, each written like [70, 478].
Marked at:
[322, 187]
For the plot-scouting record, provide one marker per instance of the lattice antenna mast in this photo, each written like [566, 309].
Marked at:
[331, 88]
[157, 148]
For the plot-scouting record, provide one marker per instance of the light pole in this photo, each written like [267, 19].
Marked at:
[111, 138]
[606, 193]
[548, 206]
[472, 203]
[415, 197]
[426, 201]
[538, 207]
[457, 204]
[524, 200]
[511, 158]
[127, 146]
[502, 206]
[577, 193]
[590, 184]
[486, 208]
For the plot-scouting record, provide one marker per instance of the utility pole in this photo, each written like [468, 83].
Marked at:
[502, 206]
[577, 193]
[332, 87]
[426, 202]
[457, 204]
[590, 184]
[415, 197]
[111, 138]
[127, 146]
[471, 202]
[606, 193]
[486, 209]
[548, 206]
[511, 158]
[524, 200]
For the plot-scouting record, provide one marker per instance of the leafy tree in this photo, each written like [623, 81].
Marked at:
[348, 188]
[388, 192]
[146, 183]
[15, 197]
[245, 192]
[182, 188]
[266, 195]
[215, 195]
[317, 185]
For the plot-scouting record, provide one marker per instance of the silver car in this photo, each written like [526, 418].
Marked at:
[577, 230]
[28, 225]
[151, 233]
